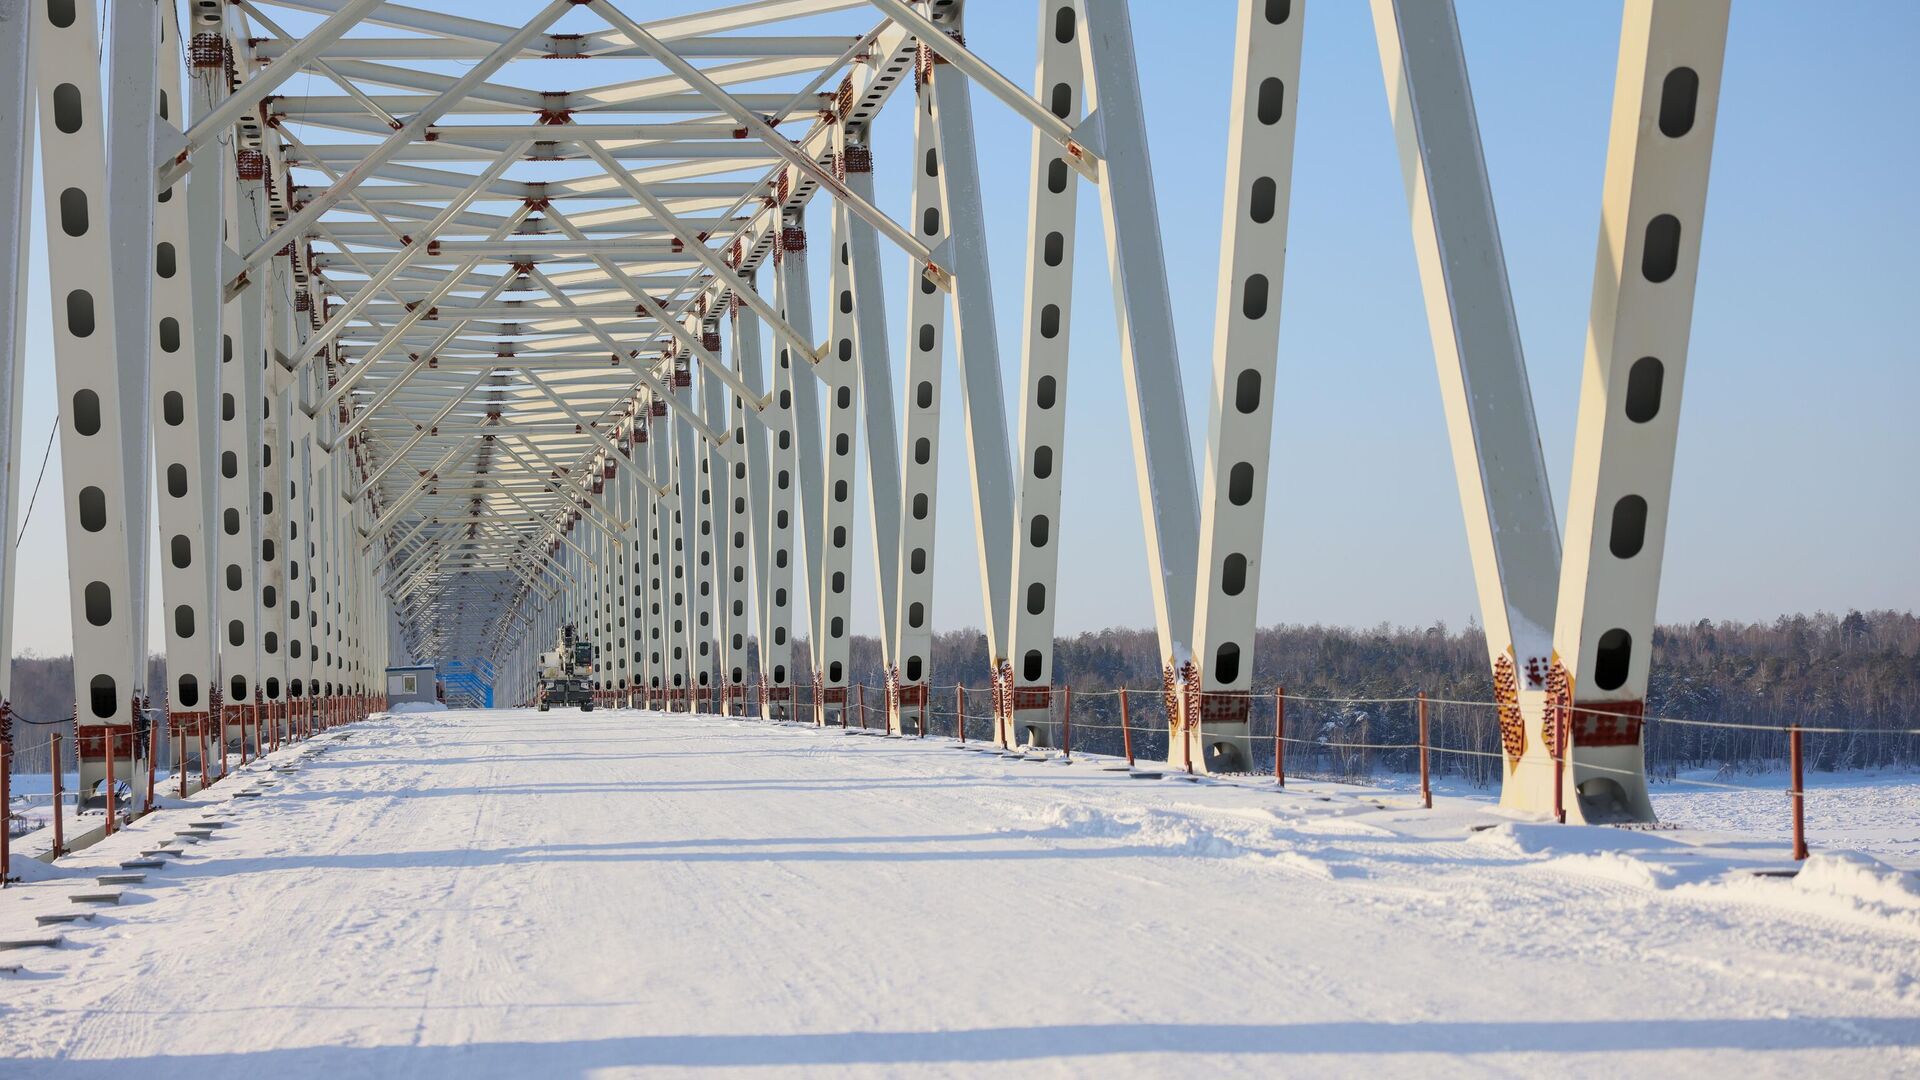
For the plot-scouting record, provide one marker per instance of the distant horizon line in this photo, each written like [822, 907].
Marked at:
[1471, 626]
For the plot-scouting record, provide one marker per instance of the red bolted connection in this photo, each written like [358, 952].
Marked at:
[208, 51]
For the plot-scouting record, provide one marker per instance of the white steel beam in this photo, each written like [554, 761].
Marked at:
[1052, 202]
[694, 244]
[209, 128]
[832, 640]
[920, 433]
[1215, 734]
[977, 348]
[686, 607]
[394, 143]
[862, 249]
[1149, 358]
[18, 99]
[796, 306]
[189, 575]
[1045, 119]
[1665, 102]
[757, 487]
[785, 147]
[1511, 529]
[727, 539]
[73, 123]
[134, 39]
[783, 465]
[243, 352]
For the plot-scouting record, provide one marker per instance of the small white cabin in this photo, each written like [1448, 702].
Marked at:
[406, 684]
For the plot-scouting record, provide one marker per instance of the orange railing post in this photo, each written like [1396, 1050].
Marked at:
[1066, 723]
[6, 790]
[59, 785]
[1126, 727]
[153, 759]
[1559, 757]
[1798, 793]
[1280, 736]
[113, 810]
[1426, 786]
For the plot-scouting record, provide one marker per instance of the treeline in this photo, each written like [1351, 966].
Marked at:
[1859, 672]
[43, 704]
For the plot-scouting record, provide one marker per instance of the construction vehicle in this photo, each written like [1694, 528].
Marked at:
[566, 673]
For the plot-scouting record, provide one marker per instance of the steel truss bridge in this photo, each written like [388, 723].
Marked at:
[426, 357]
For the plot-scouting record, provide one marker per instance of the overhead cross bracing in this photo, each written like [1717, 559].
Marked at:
[459, 333]
[507, 331]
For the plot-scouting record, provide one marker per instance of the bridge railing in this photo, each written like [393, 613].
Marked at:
[1348, 739]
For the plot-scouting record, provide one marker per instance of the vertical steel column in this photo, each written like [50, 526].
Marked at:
[607, 560]
[1665, 101]
[331, 504]
[188, 569]
[976, 344]
[655, 671]
[640, 515]
[685, 481]
[1511, 529]
[920, 428]
[592, 626]
[350, 582]
[615, 552]
[776, 643]
[626, 554]
[1051, 206]
[872, 354]
[242, 360]
[74, 173]
[796, 309]
[300, 580]
[669, 546]
[1156, 399]
[353, 644]
[607, 602]
[832, 641]
[1246, 338]
[17, 102]
[208, 192]
[728, 523]
[760, 493]
[134, 42]
[272, 573]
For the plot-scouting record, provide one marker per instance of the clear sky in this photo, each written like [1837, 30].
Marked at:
[1795, 483]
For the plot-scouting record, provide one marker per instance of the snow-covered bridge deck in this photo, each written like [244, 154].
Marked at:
[522, 894]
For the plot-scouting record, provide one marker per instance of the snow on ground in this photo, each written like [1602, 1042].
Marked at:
[510, 894]
[1876, 811]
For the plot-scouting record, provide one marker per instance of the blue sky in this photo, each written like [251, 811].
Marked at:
[1793, 489]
